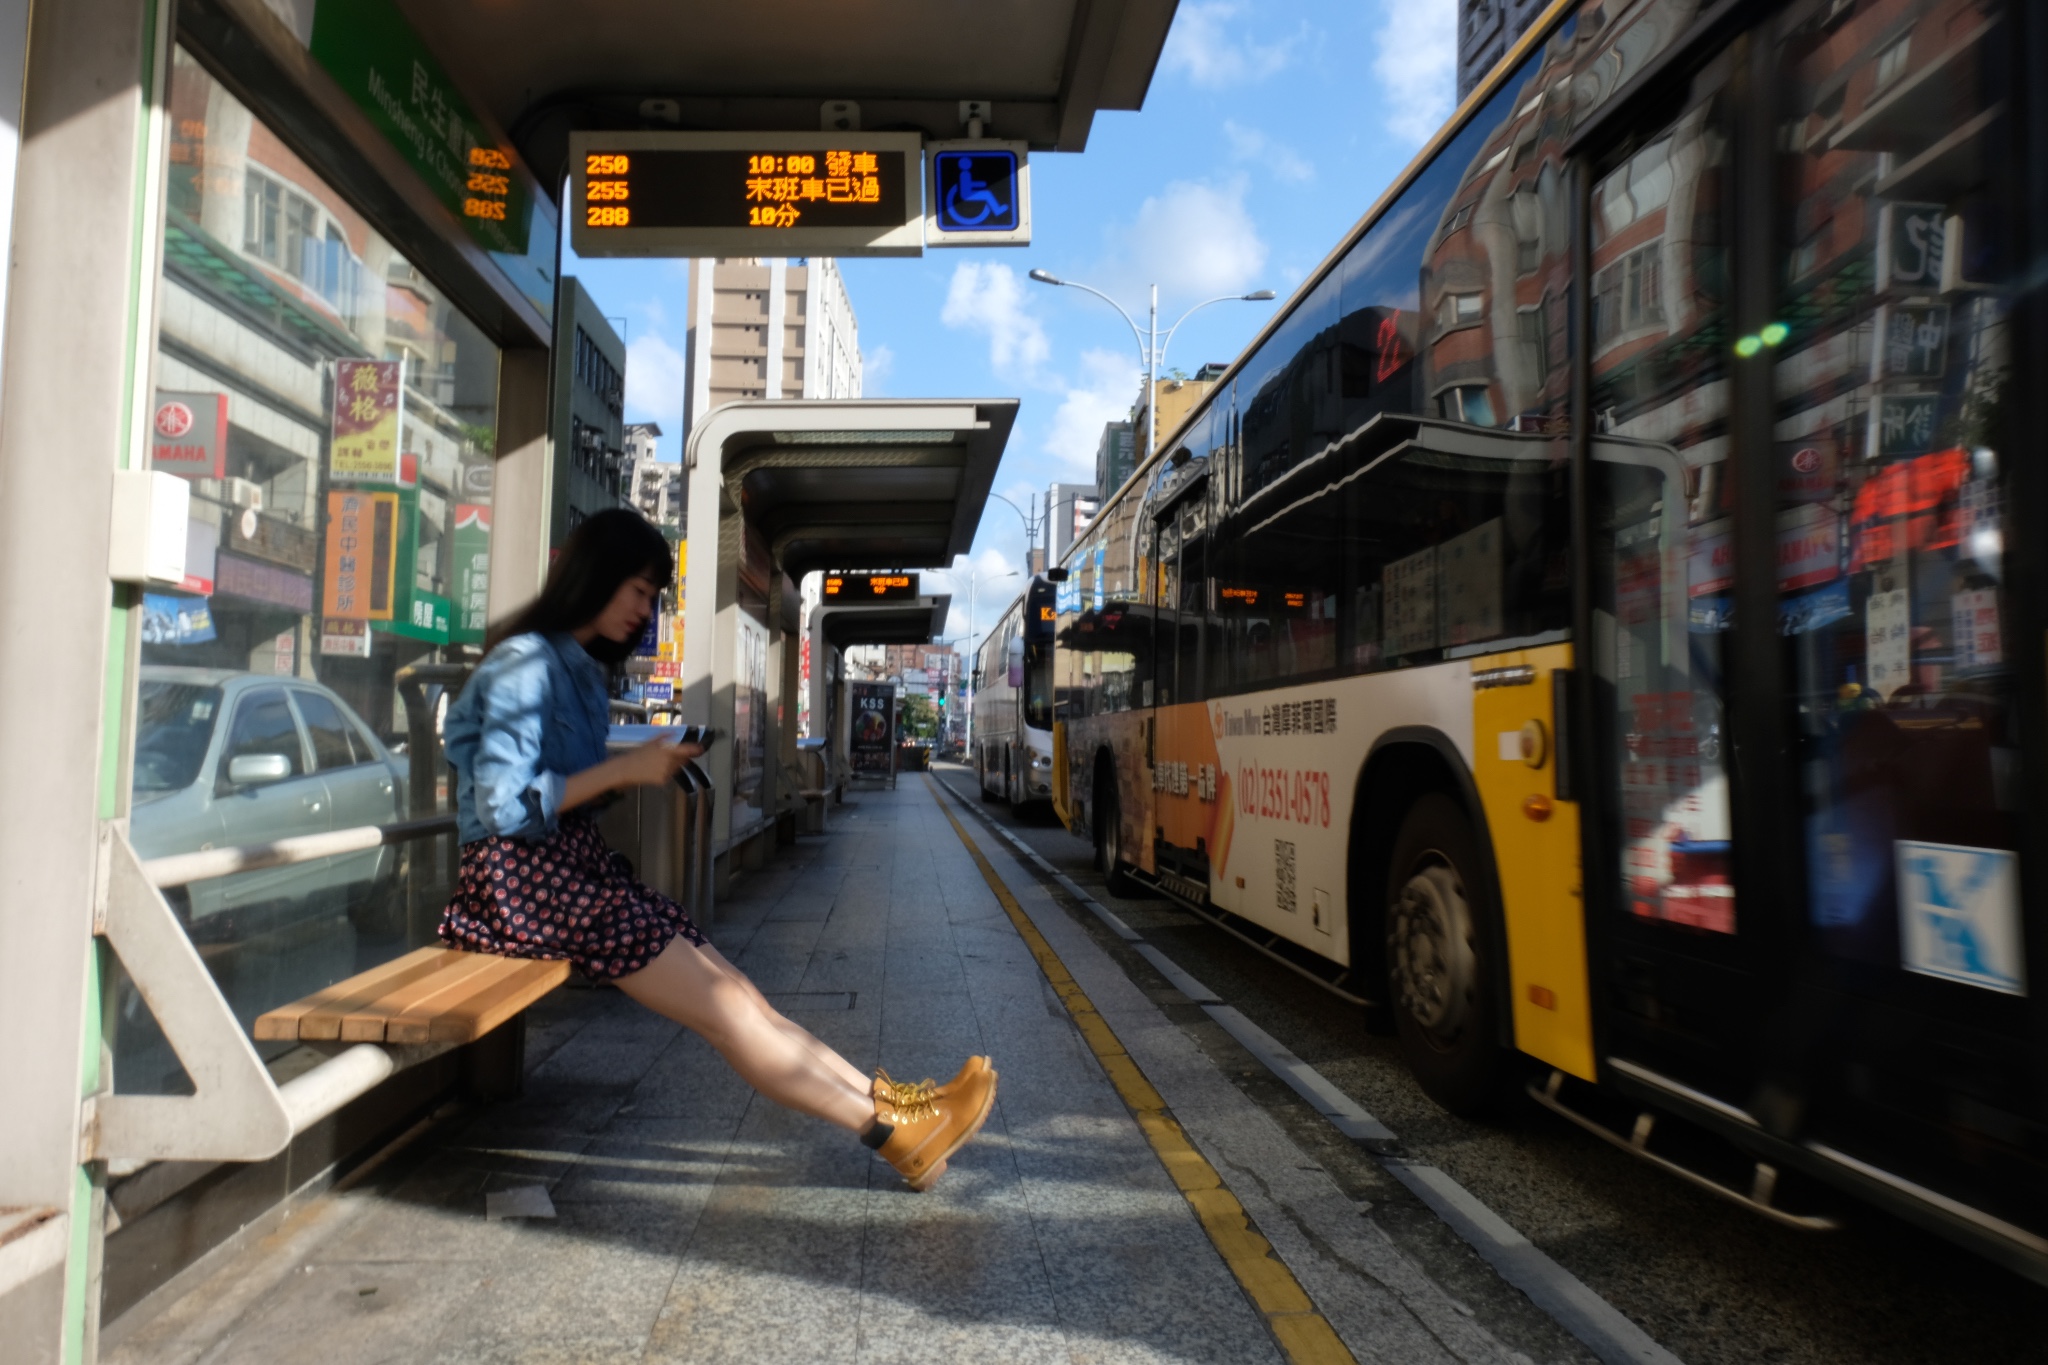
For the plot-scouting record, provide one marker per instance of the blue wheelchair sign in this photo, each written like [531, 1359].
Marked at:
[976, 191]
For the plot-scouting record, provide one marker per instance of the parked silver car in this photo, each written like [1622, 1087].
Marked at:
[224, 759]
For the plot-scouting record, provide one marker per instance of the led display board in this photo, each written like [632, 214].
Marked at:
[742, 194]
[870, 587]
[977, 194]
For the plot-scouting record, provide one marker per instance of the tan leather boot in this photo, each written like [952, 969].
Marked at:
[927, 1127]
[887, 1087]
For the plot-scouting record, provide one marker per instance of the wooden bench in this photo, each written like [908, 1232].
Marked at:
[430, 996]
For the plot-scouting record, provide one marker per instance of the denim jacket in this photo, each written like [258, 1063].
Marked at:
[534, 712]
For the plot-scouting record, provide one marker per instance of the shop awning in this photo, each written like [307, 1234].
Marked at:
[543, 68]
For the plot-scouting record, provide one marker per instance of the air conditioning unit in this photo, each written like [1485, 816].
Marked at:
[244, 493]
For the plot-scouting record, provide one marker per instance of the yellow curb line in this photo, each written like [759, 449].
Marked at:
[1305, 1336]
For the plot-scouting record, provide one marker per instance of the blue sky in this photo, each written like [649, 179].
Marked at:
[1269, 129]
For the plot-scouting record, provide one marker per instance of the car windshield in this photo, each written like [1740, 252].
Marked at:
[173, 728]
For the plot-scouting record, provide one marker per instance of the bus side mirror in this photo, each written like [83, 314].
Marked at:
[1055, 575]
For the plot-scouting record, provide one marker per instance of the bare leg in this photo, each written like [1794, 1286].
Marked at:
[796, 1031]
[707, 995]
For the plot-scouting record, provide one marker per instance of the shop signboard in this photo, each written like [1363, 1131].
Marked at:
[657, 690]
[377, 59]
[1809, 546]
[1909, 248]
[472, 553]
[362, 554]
[189, 434]
[1912, 341]
[1806, 471]
[1905, 423]
[871, 745]
[344, 637]
[426, 617]
[369, 418]
[171, 620]
[274, 539]
[255, 581]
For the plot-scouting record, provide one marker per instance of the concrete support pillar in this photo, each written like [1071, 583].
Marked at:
[74, 406]
[521, 496]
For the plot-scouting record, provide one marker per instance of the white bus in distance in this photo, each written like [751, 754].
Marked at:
[1012, 704]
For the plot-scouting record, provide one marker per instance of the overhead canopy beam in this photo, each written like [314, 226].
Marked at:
[543, 69]
[916, 622]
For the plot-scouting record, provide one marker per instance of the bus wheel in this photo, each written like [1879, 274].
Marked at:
[981, 780]
[1109, 840]
[1439, 979]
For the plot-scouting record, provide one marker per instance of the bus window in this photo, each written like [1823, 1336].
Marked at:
[1894, 418]
[1661, 539]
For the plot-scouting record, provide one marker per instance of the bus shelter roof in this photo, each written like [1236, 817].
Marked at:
[864, 483]
[916, 622]
[543, 68]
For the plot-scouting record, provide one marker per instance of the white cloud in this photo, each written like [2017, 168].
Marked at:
[1110, 383]
[1417, 66]
[1282, 161]
[877, 363]
[1194, 240]
[654, 380]
[990, 299]
[984, 576]
[1204, 47]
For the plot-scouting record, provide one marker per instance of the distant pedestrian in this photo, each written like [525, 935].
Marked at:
[527, 741]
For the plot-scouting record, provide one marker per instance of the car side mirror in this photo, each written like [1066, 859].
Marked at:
[258, 770]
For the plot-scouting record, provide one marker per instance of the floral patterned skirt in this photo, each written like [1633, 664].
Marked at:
[567, 896]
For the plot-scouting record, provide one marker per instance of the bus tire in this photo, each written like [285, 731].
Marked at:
[1109, 838]
[981, 780]
[1440, 976]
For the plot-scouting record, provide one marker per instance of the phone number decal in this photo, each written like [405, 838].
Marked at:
[1299, 795]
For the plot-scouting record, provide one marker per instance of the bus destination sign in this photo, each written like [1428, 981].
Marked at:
[870, 587]
[762, 194]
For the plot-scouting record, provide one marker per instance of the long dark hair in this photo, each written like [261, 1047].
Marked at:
[606, 550]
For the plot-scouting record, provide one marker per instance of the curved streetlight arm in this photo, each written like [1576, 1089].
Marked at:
[1029, 530]
[1137, 333]
[1220, 298]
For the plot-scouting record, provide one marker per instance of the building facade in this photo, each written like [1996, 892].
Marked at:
[1486, 30]
[591, 471]
[1176, 395]
[768, 329]
[1116, 455]
[1069, 507]
[656, 486]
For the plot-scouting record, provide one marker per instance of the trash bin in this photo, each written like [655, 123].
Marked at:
[665, 831]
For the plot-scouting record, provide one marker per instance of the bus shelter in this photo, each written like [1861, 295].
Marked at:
[836, 629]
[777, 489]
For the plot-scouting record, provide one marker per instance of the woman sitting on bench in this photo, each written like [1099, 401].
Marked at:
[527, 741]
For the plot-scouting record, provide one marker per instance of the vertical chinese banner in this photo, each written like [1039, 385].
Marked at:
[368, 417]
[472, 568]
[362, 556]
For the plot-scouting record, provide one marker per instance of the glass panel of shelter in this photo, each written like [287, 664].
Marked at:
[334, 415]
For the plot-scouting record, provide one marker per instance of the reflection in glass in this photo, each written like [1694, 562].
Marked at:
[1662, 549]
[1893, 389]
[334, 415]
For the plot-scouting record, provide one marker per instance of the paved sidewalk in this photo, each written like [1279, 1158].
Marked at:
[697, 1222]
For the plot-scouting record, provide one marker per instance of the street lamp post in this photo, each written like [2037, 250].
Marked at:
[1151, 350]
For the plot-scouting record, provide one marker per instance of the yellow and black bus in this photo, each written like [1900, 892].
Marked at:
[1585, 623]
